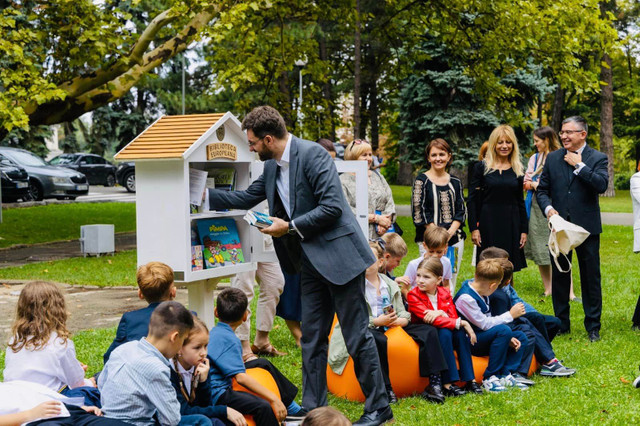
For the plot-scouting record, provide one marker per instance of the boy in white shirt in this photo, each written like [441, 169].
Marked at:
[435, 242]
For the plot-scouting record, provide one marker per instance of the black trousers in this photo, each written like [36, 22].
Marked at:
[288, 390]
[320, 300]
[381, 345]
[589, 262]
[248, 403]
[636, 314]
[79, 417]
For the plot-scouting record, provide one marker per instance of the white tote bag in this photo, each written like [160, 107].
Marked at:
[564, 237]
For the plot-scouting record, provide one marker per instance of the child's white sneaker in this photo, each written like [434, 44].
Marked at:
[493, 384]
[511, 382]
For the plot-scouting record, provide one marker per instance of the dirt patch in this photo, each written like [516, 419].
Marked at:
[88, 306]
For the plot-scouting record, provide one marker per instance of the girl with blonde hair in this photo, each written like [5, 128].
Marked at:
[497, 215]
[40, 350]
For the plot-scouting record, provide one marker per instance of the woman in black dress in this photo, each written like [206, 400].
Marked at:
[497, 216]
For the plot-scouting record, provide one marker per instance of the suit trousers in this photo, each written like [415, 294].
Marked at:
[320, 300]
[547, 325]
[589, 262]
[636, 314]
[271, 285]
[495, 342]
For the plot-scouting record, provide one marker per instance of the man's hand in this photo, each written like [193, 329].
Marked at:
[517, 310]
[202, 370]
[572, 158]
[236, 417]
[551, 213]
[277, 229]
[279, 409]
[475, 237]
[515, 344]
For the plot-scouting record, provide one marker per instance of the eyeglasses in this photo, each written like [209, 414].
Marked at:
[252, 144]
[380, 242]
[568, 132]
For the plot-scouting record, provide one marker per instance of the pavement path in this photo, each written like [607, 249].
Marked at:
[607, 218]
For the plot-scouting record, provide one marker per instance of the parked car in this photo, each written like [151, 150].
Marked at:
[47, 181]
[14, 181]
[97, 170]
[126, 175]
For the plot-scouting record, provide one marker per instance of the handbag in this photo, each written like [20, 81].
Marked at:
[564, 237]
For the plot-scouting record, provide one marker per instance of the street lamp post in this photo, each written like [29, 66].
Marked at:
[300, 63]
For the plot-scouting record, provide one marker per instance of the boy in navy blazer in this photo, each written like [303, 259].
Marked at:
[155, 285]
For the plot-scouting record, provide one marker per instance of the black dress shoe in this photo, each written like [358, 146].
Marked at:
[453, 390]
[473, 387]
[433, 393]
[594, 335]
[375, 418]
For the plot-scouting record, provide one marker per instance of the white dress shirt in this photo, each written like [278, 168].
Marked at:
[54, 366]
[373, 299]
[19, 395]
[578, 167]
[283, 180]
[468, 307]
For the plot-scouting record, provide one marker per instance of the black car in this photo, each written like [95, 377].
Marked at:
[126, 175]
[97, 170]
[14, 181]
[47, 181]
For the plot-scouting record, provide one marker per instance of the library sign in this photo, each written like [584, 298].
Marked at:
[222, 150]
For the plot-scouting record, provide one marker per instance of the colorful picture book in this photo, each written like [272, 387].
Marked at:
[223, 178]
[257, 219]
[221, 242]
[197, 261]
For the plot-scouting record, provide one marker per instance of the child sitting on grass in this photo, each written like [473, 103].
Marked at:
[500, 303]
[40, 349]
[494, 337]
[435, 243]
[135, 384]
[155, 285]
[386, 310]
[190, 378]
[431, 303]
[226, 364]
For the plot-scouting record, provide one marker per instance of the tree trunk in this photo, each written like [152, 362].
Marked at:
[558, 108]
[606, 118]
[356, 76]
[373, 113]
[327, 93]
[405, 169]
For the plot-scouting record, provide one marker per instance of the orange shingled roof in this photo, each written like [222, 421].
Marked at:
[169, 137]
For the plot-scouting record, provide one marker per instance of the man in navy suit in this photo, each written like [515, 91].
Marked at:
[316, 233]
[570, 183]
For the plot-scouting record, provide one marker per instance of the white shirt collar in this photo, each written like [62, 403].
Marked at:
[579, 151]
[284, 160]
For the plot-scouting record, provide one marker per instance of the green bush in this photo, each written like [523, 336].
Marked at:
[622, 181]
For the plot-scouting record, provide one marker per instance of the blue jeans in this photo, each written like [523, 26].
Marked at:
[457, 340]
[495, 342]
[195, 420]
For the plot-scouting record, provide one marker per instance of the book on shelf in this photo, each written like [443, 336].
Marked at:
[197, 260]
[222, 178]
[221, 242]
[257, 219]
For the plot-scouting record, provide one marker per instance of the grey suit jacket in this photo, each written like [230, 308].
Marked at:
[333, 242]
[575, 197]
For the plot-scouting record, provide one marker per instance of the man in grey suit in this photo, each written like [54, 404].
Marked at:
[316, 233]
[571, 180]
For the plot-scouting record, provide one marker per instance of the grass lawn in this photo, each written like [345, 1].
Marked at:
[621, 203]
[599, 392]
[55, 222]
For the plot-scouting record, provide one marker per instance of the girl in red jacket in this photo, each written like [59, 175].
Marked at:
[431, 303]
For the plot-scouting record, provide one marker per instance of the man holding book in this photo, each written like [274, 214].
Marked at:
[316, 233]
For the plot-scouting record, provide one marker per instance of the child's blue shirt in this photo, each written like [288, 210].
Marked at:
[513, 296]
[225, 353]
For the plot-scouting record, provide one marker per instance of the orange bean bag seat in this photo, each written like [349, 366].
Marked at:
[265, 379]
[404, 371]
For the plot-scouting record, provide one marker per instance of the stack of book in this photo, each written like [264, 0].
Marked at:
[257, 219]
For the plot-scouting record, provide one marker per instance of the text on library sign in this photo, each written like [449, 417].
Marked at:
[222, 150]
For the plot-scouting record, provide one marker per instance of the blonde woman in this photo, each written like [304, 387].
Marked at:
[382, 209]
[497, 216]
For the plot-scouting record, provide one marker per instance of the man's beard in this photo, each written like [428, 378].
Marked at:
[265, 155]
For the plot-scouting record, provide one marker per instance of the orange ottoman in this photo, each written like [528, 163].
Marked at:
[265, 379]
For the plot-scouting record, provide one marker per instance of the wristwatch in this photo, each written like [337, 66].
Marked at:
[291, 230]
